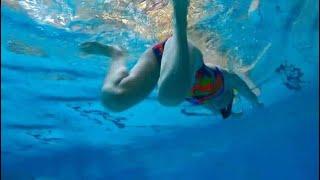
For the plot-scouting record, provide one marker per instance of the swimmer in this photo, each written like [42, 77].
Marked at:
[176, 66]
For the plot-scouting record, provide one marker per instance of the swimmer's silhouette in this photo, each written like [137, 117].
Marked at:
[177, 67]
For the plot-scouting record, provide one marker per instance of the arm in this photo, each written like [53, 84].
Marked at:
[237, 83]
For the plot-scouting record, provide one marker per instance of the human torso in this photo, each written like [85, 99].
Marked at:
[209, 85]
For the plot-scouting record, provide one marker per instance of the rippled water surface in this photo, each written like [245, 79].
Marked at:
[54, 127]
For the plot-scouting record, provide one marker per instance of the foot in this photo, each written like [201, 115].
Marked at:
[100, 49]
[92, 48]
[117, 51]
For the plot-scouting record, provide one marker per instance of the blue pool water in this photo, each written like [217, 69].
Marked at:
[54, 127]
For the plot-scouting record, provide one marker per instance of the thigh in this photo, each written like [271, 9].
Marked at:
[135, 86]
[143, 77]
[169, 58]
[174, 81]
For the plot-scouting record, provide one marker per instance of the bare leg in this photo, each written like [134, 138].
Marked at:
[176, 74]
[123, 89]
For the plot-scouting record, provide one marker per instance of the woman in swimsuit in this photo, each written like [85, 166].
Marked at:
[176, 66]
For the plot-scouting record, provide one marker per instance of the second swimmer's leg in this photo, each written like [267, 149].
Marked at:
[176, 75]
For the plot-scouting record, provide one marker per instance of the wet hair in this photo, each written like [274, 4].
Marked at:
[293, 76]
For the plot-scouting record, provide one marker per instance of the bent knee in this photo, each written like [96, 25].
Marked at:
[113, 100]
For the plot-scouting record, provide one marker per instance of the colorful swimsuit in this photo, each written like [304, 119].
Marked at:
[209, 83]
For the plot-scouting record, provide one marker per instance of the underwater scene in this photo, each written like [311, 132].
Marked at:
[54, 126]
